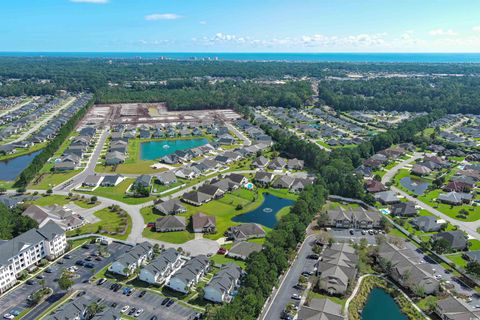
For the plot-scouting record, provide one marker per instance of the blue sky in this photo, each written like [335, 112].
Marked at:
[241, 25]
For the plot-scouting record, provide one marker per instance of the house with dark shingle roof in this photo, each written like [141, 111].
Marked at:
[263, 178]
[170, 223]
[243, 249]
[196, 198]
[172, 206]
[132, 259]
[456, 239]
[202, 223]
[320, 309]
[455, 198]
[157, 271]
[403, 209]
[426, 223]
[190, 274]
[223, 283]
[245, 231]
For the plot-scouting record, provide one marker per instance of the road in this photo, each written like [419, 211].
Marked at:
[17, 106]
[40, 124]
[282, 296]
[393, 171]
[238, 133]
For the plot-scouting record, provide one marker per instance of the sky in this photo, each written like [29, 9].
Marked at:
[240, 25]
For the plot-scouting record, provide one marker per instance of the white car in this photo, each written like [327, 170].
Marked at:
[8, 316]
[138, 313]
[296, 296]
[125, 309]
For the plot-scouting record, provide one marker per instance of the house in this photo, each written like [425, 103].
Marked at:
[167, 177]
[112, 180]
[236, 178]
[143, 181]
[170, 223]
[63, 217]
[70, 162]
[170, 159]
[403, 209]
[172, 206]
[196, 198]
[213, 191]
[92, 181]
[128, 262]
[284, 182]
[374, 186]
[157, 271]
[456, 239]
[114, 158]
[453, 309]
[243, 249]
[320, 309]
[277, 164]
[202, 223]
[245, 231]
[420, 170]
[356, 218]
[426, 223]
[223, 283]
[386, 197]
[337, 269]
[186, 173]
[455, 198]
[295, 164]
[189, 275]
[458, 186]
[407, 268]
[263, 178]
[299, 184]
[260, 162]
[28, 249]
[364, 171]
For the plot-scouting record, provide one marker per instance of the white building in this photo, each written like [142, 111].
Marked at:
[26, 250]
[162, 267]
[220, 288]
[189, 275]
[133, 259]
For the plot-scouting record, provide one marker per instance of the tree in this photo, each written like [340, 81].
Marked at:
[93, 199]
[93, 309]
[65, 282]
[322, 220]
[473, 268]
[49, 191]
[440, 245]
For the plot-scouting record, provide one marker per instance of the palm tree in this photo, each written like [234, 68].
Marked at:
[93, 309]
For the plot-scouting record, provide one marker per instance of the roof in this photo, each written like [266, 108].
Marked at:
[111, 179]
[170, 206]
[134, 254]
[247, 230]
[170, 222]
[226, 278]
[12, 247]
[167, 176]
[321, 309]
[195, 196]
[192, 268]
[244, 249]
[165, 259]
[403, 209]
[201, 220]
[386, 196]
[456, 239]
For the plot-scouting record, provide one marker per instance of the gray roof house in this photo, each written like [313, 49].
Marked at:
[167, 177]
[453, 309]
[92, 180]
[386, 197]
[132, 259]
[112, 180]
[284, 182]
[260, 162]
[403, 209]
[455, 198]
[426, 223]
[223, 283]
[320, 309]
[159, 269]
[189, 275]
[170, 223]
[172, 206]
[196, 198]
[295, 164]
[245, 231]
[114, 158]
[263, 178]
[243, 249]
[456, 239]
[144, 180]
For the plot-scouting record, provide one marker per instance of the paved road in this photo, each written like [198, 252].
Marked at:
[282, 296]
[238, 133]
[15, 107]
[393, 171]
[90, 168]
[40, 124]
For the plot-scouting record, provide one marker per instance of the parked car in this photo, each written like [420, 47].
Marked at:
[165, 301]
[313, 256]
[31, 282]
[8, 316]
[169, 303]
[114, 305]
[129, 293]
[222, 251]
[80, 263]
[296, 296]
[67, 256]
[101, 281]
[89, 265]
[352, 232]
[48, 270]
[142, 293]
[86, 246]
[125, 309]
[138, 313]
[40, 276]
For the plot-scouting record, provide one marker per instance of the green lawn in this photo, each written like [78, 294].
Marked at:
[50, 179]
[316, 295]
[223, 209]
[474, 244]
[221, 259]
[457, 259]
[63, 200]
[109, 225]
[451, 211]
[22, 152]
[118, 193]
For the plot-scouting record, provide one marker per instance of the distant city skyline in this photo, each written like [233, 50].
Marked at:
[240, 26]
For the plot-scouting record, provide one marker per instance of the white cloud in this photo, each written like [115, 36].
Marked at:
[90, 1]
[442, 32]
[162, 16]
[476, 29]
[203, 22]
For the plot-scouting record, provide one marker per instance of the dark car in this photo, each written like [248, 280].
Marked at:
[89, 265]
[40, 276]
[88, 259]
[132, 311]
[67, 256]
[48, 270]
[165, 301]
[80, 263]
[351, 232]
[313, 256]
[154, 318]
[169, 303]
[31, 282]
[86, 246]
[142, 293]
[98, 258]
[60, 262]
[114, 305]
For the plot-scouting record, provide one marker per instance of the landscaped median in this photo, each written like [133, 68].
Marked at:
[368, 283]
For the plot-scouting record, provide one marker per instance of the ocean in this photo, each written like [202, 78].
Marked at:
[289, 57]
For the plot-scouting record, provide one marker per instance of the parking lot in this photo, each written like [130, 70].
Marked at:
[150, 302]
[344, 235]
[16, 300]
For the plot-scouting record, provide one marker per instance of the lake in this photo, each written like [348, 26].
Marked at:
[380, 306]
[266, 213]
[154, 150]
[11, 169]
[417, 186]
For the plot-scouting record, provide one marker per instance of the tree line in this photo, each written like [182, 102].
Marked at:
[12, 223]
[455, 94]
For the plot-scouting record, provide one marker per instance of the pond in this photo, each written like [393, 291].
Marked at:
[380, 306]
[417, 186]
[153, 150]
[11, 169]
[266, 213]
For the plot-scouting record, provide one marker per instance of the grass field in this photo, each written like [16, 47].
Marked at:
[457, 259]
[22, 152]
[50, 180]
[223, 209]
[63, 200]
[451, 211]
[108, 224]
[118, 193]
